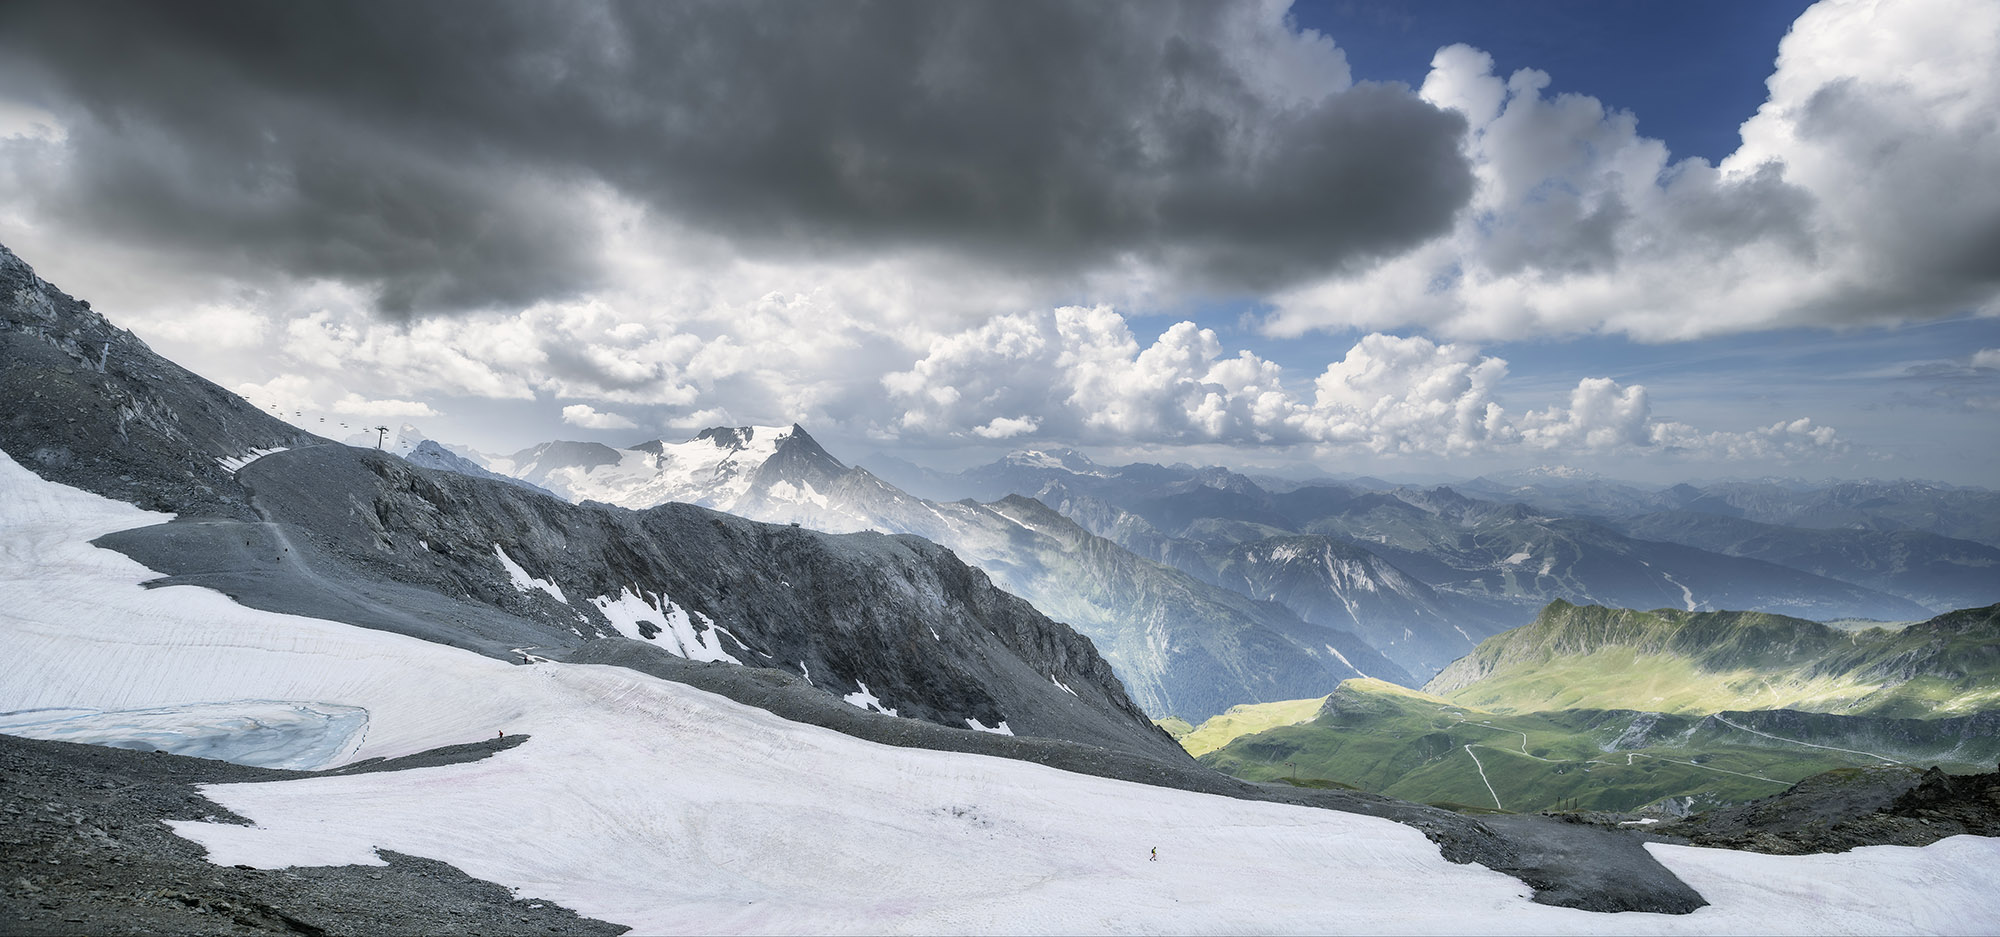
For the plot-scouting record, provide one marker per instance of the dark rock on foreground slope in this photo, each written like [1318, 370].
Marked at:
[925, 634]
[85, 853]
[1836, 811]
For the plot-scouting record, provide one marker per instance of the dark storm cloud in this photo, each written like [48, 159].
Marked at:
[432, 150]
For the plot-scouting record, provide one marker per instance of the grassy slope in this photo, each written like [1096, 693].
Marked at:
[1386, 739]
[1610, 709]
[1698, 663]
[1175, 726]
[1249, 719]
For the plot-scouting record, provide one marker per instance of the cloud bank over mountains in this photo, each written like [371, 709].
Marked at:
[929, 223]
[1081, 373]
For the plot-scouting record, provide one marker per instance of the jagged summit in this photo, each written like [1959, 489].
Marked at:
[728, 437]
[724, 467]
[736, 437]
[723, 437]
[1182, 645]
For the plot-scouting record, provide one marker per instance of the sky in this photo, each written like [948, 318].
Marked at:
[1660, 241]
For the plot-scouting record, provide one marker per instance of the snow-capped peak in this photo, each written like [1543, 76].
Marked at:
[715, 467]
[1541, 473]
[1068, 460]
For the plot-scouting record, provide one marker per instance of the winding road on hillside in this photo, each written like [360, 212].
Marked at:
[1778, 738]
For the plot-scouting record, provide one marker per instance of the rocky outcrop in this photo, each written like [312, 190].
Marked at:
[1836, 811]
[89, 405]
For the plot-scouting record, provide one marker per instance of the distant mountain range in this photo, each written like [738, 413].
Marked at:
[1883, 550]
[1948, 511]
[1933, 570]
[1485, 565]
[1154, 562]
[1181, 645]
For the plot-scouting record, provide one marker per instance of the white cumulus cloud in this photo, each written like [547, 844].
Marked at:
[588, 417]
[1855, 197]
[1004, 427]
[1410, 395]
[1783, 441]
[1601, 415]
[1081, 374]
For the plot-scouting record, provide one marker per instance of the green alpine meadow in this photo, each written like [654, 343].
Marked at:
[1604, 709]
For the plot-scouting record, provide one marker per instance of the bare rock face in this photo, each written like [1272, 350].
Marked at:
[1848, 807]
[90, 405]
[87, 854]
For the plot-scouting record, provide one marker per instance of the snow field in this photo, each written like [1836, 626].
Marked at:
[1949, 887]
[656, 805]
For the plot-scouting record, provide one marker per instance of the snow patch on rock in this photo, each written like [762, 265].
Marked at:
[235, 463]
[865, 700]
[662, 620]
[526, 583]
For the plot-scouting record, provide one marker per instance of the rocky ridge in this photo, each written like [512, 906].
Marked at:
[90, 405]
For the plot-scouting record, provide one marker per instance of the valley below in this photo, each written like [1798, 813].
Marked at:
[1385, 739]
